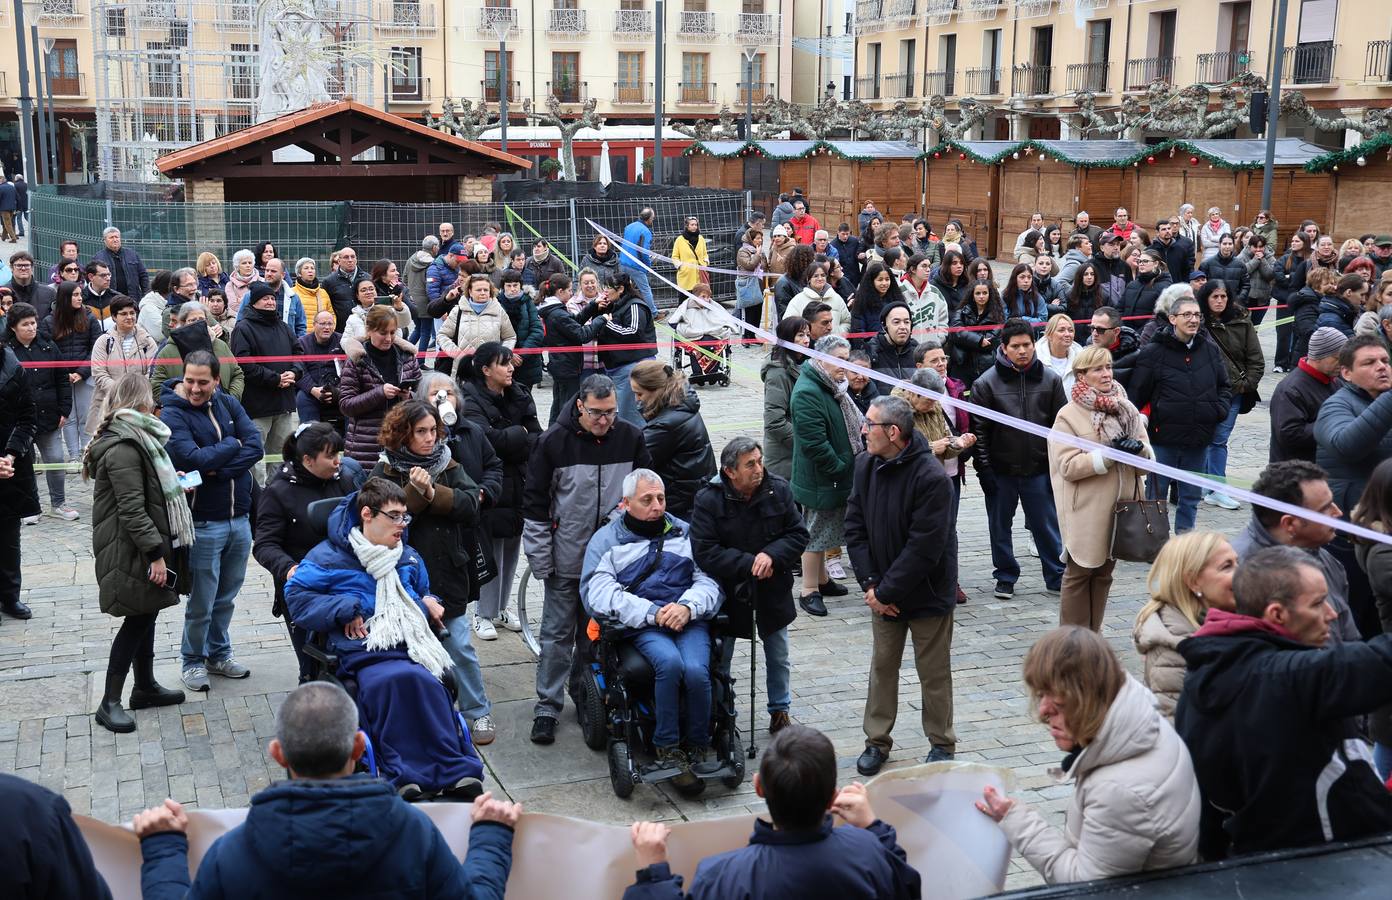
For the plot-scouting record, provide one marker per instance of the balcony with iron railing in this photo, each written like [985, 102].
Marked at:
[984, 82]
[633, 25]
[59, 12]
[869, 14]
[410, 90]
[1377, 62]
[1141, 73]
[154, 10]
[1029, 80]
[697, 93]
[569, 90]
[938, 12]
[1216, 68]
[755, 93]
[234, 15]
[491, 94]
[939, 84]
[696, 26]
[980, 10]
[407, 15]
[633, 93]
[867, 87]
[243, 86]
[1032, 9]
[567, 23]
[898, 85]
[1310, 64]
[898, 12]
[491, 18]
[762, 27]
[1088, 77]
[65, 84]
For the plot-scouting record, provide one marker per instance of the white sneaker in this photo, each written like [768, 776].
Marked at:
[508, 619]
[484, 629]
[1218, 498]
[835, 570]
[29, 520]
[66, 512]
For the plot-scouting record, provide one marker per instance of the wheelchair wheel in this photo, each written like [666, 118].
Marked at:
[620, 771]
[592, 714]
[692, 792]
[734, 781]
[529, 587]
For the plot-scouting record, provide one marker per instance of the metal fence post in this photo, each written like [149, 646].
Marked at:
[108, 213]
[574, 235]
[748, 205]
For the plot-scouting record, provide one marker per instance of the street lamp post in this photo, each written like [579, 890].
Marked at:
[1273, 106]
[501, 26]
[22, 12]
[749, 53]
[55, 161]
[39, 69]
[658, 84]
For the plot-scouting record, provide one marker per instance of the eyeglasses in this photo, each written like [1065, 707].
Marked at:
[1102, 329]
[1192, 314]
[601, 415]
[867, 424]
[400, 518]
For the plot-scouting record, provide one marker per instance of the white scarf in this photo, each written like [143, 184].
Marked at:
[397, 620]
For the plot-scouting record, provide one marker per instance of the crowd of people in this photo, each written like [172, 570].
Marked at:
[415, 473]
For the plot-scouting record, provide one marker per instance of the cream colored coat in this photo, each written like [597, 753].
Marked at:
[1157, 640]
[1087, 487]
[1135, 801]
[465, 329]
[110, 362]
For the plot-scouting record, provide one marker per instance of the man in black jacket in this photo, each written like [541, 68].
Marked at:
[1176, 249]
[269, 395]
[42, 851]
[899, 534]
[892, 350]
[1296, 402]
[26, 286]
[1113, 274]
[1014, 467]
[747, 533]
[1181, 375]
[342, 285]
[848, 249]
[1269, 716]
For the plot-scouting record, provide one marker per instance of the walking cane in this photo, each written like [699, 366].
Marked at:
[753, 751]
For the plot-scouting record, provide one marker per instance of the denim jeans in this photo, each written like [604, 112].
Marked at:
[50, 447]
[468, 677]
[640, 281]
[217, 568]
[1382, 760]
[1033, 494]
[493, 596]
[1191, 459]
[777, 673]
[623, 393]
[1217, 457]
[424, 334]
[75, 432]
[681, 662]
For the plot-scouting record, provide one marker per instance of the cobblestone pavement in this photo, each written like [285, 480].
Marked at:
[211, 751]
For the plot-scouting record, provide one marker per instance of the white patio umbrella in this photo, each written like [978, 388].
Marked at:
[605, 175]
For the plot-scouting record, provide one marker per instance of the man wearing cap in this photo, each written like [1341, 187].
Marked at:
[892, 351]
[1382, 254]
[1113, 274]
[1297, 399]
[1197, 280]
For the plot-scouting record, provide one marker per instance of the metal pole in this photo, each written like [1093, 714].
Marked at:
[57, 162]
[657, 92]
[39, 71]
[1273, 109]
[749, 97]
[502, 90]
[26, 106]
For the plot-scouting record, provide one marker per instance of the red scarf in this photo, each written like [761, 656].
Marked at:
[1313, 372]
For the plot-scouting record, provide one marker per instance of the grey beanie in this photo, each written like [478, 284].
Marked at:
[1325, 342]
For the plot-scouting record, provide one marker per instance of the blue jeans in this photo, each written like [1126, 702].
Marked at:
[217, 568]
[681, 662]
[640, 281]
[1005, 494]
[778, 675]
[1217, 458]
[623, 393]
[1382, 760]
[1191, 459]
[468, 677]
[424, 334]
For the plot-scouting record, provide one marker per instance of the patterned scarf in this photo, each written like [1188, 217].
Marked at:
[403, 460]
[396, 618]
[1113, 415]
[152, 434]
[850, 413]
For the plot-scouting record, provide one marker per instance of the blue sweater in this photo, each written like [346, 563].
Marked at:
[348, 837]
[636, 233]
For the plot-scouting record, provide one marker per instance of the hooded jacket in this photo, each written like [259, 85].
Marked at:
[1035, 395]
[1135, 801]
[1269, 722]
[262, 333]
[823, 460]
[1295, 403]
[899, 531]
[342, 837]
[416, 294]
[1157, 641]
[464, 329]
[1255, 537]
[680, 449]
[627, 578]
[218, 440]
[561, 330]
[1141, 294]
[1353, 433]
[969, 358]
[1186, 388]
[574, 480]
[1336, 312]
[510, 422]
[1236, 337]
[538, 270]
[530, 333]
[1232, 271]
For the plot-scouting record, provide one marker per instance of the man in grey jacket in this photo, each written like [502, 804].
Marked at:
[416, 294]
[575, 477]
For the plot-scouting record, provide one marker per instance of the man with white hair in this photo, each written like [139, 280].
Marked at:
[821, 242]
[640, 575]
[446, 234]
[128, 275]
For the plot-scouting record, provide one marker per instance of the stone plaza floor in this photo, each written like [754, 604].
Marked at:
[211, 751]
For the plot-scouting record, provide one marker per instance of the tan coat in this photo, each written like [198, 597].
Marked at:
[109, 362]
[1135, 801]
[1087, 487]
[465, 329]
[1157, 640]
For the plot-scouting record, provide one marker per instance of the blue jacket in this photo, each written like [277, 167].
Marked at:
[846, 863]
[1334, 312]
[224, 460]
[1353, 433]
[348, 837]
[664, 570]
[636, 232]
[9, 200]
[294, 316]
[439, 278]
[331, 588]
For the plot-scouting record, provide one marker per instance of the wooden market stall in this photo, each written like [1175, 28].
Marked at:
[959, 187]
[1061, 178]
[1361, 183]
[837, 176]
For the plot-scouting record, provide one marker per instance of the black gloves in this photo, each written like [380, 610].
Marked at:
[1128, 445]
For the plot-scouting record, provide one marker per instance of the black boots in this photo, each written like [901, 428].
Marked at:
[112, 717]
[146, 693]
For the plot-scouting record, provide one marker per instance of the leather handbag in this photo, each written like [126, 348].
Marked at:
[1140, 528]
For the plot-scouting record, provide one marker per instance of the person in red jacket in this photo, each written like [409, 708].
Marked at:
[1122, 226]
[803, 223]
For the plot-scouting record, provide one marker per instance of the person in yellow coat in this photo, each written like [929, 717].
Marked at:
[689, 251]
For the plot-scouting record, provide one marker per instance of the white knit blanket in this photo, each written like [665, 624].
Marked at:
[397, 619]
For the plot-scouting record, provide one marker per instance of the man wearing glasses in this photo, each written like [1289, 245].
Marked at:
[574, 480]
[97, 293]
[26, 289]
[1122, 340]
[1182, 377]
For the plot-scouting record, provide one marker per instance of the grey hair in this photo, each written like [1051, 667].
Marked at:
[1271, 575]
[1385, 313]
[109, 230]
[300, 263]
[430, 243]
[241, 255]
[897, 412]
[187, 307]
[316, 727]
[1172, 293]
[929, 379]
[450, 224]
[426, 389]
[632, 479]
[737, 447]
[179, 275]
[830, 343]
[1185, 207]
[931, 343]
[596, 386]
[1214, 209]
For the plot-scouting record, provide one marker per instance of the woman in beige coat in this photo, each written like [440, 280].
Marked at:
[1087, 485]
[478, 319]
[125, 348]
[1135, 799]
[1193, 573]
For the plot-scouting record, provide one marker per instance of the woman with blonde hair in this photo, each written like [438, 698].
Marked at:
[312, 296]
[1088, 485]
[1192, 574]
[674, 432]
[1136, 801]
[477, 318]
[210, 274]
[1058, 347]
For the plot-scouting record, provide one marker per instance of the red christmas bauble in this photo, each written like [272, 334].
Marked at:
[961, 156]
[1150, 160]
[937, 155]
[1193, 160]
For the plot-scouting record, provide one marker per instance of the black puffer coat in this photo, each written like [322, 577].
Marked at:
[510, 421]
[563, 331]
[19, 494]
[442, 531]
[728, 531]
[681, 452]
[1232, 272]
[75, 345]
[1186, 388]
[262, 333]
[896, 361]
[1304, 306]
[1035, 395]
[283, 537]
[969, 358]
[1141, 294]
[52, 390]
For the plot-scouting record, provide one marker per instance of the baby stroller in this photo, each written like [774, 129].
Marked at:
[700, 319]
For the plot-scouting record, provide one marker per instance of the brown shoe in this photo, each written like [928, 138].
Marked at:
[961, 596]
[778, 721]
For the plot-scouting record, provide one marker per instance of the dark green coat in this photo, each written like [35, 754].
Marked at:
[823, 463]
[130, 528]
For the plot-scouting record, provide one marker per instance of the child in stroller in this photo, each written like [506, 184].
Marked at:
[700, 318]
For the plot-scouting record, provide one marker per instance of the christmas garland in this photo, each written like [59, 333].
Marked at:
[761, 148]
[1355, 155]
[1144, 154]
